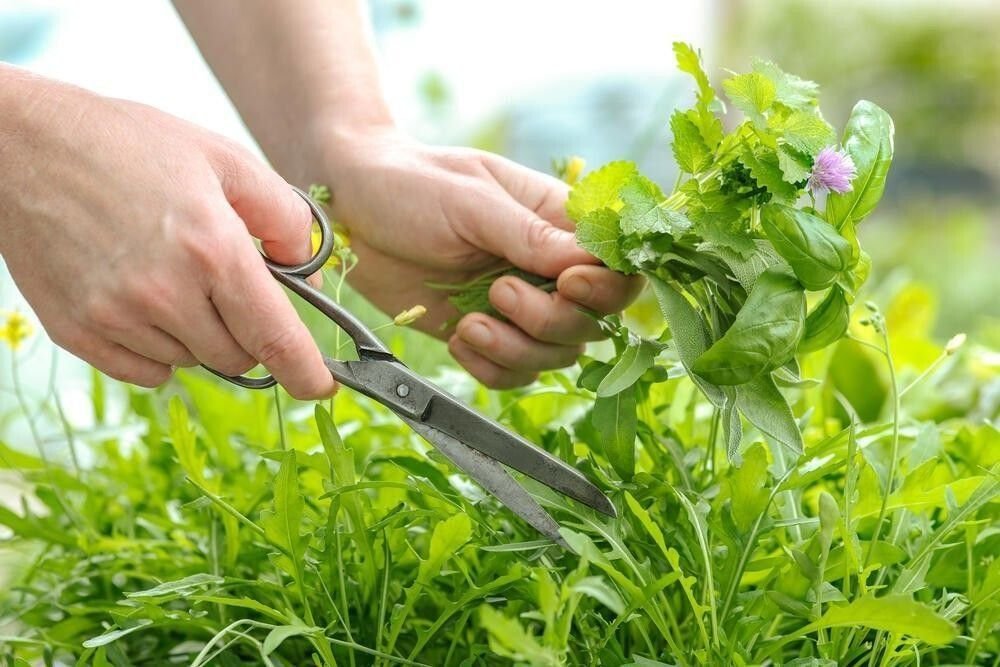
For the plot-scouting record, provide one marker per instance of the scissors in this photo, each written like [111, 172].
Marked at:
[475, 443]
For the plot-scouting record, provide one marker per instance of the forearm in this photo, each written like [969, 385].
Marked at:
[300, 72]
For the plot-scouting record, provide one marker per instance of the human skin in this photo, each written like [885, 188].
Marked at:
[130, 232]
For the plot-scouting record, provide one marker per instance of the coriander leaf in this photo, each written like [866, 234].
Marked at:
[599, 189]
[691, 152]
[764, 335]
[764, 168]
[804, 131]
[795, 167]
[751, 93]
[642, 213]
[789, 89]
[868, 139]
[599, 233]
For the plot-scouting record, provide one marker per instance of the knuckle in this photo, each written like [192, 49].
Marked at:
[102, 313]
[278, 345]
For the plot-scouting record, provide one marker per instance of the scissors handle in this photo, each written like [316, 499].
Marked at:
[294, 278]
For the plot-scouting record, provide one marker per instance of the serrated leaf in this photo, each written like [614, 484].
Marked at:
[642, 213]
[599, 190]
[764, 167]
[752, 93]
[805, 131]
[691, 152]
[795, 167]
[789, 89]
[599, 233]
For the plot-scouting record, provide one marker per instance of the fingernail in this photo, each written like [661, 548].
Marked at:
[577, 288]
[476, 334]
[504, 298]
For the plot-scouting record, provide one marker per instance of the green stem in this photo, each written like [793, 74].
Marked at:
[894, 452]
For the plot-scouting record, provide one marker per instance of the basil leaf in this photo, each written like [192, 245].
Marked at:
[634, 361]
[615, 419]
[764, 335]
[766, 408]
[812, 247]
[827, 322]
[868, 139]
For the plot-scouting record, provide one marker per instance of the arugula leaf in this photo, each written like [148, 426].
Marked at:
[752, 93]
[868, 139]
[615, 419]
[897, 614]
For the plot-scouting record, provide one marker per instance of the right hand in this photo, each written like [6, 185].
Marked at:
[129, 233]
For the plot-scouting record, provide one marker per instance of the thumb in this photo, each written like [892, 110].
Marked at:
[269, 207]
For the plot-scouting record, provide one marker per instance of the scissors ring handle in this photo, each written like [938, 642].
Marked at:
[322, 253]
[303, 271]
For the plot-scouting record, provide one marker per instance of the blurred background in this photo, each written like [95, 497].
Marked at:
[539, 81]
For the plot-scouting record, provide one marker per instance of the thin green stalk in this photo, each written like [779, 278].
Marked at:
[894, 450]
[281, 419]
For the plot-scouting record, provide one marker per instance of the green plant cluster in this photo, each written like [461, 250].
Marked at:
[833, 502]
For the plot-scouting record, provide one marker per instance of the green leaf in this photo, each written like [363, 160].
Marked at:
[599, 190]
[763, 165]
[708, 124]
[868, 139]
[642, 213]
[805, 131]
[763, 405]
[115, 634]
[179, 587]
[615, 419]
[789, 89]
[11, 459]
[746, 487]
[896, 614]
[795, 167]
[599, 233]
[691, 152]
[280, 633]
[636, 359]
[509, 639]
[751, 93]
[764, 335]
[812, 247]
[827, 322]
[598, 589]
[448, 537]
[283, 525]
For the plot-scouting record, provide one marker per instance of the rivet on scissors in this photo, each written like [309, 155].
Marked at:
[402, 390]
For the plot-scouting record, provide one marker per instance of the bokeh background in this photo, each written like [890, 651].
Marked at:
[539, 81]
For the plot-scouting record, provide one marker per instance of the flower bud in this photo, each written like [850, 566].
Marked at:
[574, 167]
[409, 316]
[957, 341]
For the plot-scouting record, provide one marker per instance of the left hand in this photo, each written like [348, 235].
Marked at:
[419, 213]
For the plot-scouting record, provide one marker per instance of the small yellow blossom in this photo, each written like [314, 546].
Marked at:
[574, 167]
[409, 316]
[15, 329]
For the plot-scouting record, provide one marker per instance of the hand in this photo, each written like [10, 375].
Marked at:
[127, 231]
[418, 213]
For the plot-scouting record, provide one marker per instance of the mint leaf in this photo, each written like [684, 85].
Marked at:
[598, 233]
[690, 150]
[751, 93]
[599, 189]
[789, 89]
[642, 213]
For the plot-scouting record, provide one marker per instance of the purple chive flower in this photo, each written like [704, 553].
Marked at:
[833, 171]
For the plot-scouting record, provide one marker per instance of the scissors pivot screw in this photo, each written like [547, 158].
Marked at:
[403, 390]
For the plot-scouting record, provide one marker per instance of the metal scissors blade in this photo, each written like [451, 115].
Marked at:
[414, 397]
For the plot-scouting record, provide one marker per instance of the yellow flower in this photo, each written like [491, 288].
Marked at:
[409, 316]
[15, 329]
[574, 167]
